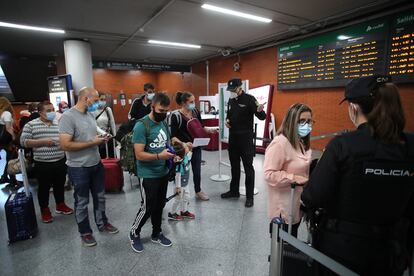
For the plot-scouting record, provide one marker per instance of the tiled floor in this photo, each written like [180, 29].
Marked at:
[225, 239]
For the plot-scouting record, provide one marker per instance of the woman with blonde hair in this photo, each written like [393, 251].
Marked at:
[287, 161]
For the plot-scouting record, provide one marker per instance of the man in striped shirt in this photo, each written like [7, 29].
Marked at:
[42, 134]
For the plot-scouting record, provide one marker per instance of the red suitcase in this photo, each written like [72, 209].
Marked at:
[114, 175]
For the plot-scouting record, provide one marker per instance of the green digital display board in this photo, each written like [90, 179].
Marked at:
[334, 58]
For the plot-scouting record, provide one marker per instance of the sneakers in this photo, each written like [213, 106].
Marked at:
[187, 215]
[230, 194]
[136, 243]
[62, 208]
[202, 196]
[174, 216]
[46, 215]
[88, 240]
[161, 239]
[109, 228]
[249, 203]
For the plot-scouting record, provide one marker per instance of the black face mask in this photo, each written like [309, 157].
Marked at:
[159, 117]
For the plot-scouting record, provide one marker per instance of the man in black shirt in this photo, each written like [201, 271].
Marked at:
[142, 106]
[242, 108]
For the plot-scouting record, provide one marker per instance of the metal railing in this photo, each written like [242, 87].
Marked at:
[279, 236]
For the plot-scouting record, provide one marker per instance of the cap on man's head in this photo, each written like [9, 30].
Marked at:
[364, 87]
[148, 86]
[233, 84]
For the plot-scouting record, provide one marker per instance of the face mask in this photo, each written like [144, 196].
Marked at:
[304, 130]
[50, 116]
[64, 109]
[102, 104]
[191, 106]
[93, 107]
[233, 95]
[150, 96]
[159, 117]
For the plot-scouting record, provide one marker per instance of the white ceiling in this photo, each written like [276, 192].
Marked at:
[107, 24]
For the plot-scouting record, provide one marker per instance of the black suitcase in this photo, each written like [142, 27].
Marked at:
[20, 211]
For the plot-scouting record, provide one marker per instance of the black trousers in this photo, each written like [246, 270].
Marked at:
[102, 149]
[241, 147]
[196, 166]
[51, 174]
[153, 194]
[362, 255]
[295, 228]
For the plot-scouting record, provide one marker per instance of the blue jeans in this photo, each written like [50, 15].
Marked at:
[87, 179]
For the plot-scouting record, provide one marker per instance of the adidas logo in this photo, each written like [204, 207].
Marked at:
[160, 141]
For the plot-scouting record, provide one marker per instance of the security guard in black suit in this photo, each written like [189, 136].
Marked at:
[241, 110]
[365, 183]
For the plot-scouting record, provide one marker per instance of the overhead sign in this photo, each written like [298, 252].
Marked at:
[383, 46]
[119, 65]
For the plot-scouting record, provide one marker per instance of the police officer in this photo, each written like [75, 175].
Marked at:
[142, 106]
[242, 108]
[365, 183]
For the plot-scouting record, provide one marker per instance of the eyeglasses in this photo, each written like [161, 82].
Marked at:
[306, 121]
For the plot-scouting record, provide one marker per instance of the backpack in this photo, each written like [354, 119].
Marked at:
[128, 155]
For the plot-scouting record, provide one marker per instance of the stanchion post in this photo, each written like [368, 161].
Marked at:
[220, 177]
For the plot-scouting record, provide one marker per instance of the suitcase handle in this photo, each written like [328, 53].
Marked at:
[292, 196]
[22, 161]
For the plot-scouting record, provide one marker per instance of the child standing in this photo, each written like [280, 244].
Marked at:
[182, 175]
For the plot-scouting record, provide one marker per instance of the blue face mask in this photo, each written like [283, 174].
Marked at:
[93, 107]
[102, 104]
[50, 115]
[150, 96]
[304, 130]
[65, 109]
[191, 106]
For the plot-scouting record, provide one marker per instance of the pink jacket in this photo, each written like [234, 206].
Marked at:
[281, 163]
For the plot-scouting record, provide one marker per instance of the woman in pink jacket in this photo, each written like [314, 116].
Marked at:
[287, 160]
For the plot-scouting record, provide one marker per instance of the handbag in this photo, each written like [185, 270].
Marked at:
[13, 166]
[195, 129]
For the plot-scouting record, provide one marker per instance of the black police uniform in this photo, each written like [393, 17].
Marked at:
[139, 109]
[241, 112]
[366, 187]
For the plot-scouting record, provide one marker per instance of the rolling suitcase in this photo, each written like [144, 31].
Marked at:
[293, 261]
[114, 175]
[20, 211]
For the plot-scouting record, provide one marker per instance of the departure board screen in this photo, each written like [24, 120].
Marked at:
[401, 54]
[382, 46]
[331, 60]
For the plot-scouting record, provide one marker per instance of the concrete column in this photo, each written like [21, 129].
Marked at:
[78, 60]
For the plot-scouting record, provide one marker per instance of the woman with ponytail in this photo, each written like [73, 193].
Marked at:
[365, 183]
[178, 123]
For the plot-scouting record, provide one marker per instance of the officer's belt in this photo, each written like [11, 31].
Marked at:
[356, 229]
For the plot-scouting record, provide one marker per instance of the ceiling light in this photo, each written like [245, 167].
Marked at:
[174, 44]
[236, 13]
[31, 28]
[343, 37]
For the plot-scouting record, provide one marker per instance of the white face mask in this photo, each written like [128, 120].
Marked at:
[233, 95]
